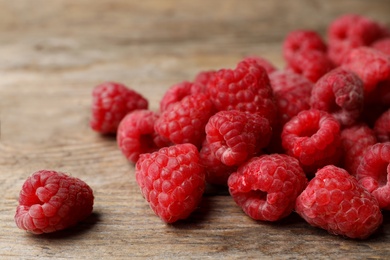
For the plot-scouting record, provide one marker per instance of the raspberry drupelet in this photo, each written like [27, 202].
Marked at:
[333, 200]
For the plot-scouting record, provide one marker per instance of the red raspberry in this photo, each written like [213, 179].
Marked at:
[373, 173]
[311, 64]
[266, 187]
[184, 121]
[171, 180]
[349, 32]
[334, 201]
[355, 140]
[246, 88]
[266, 64]
[216, 172]
[382, 45]
[313, 137]
[339, 92]
[292, 93]
[111, 102]
[382, 127]
[235, 136]
[50, 201]
[302, 41]
[371, 65]
[179, 91]
[136, 134]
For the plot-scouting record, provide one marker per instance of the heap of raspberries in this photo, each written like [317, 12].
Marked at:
[311, 138]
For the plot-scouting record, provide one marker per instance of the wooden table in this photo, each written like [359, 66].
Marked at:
[52, 53]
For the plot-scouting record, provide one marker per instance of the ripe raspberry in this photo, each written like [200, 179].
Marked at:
[236, 136]
[354, 141]
[266, 64]
[266, 187]
[339, 92]
[136, 134]
[245, 88]
[302, 41]
[349, 32]
[382, 45]
[334, 201]
[171, 180]
[292, 93]
[184, 121]
[50, 201]
[313, 137]
[373, 173]
[382, 127]
[312, 64]
[179, 91]
[216, 172]
[111, 102]
[371, 65]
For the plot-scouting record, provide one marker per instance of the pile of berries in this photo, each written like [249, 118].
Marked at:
[313, 137]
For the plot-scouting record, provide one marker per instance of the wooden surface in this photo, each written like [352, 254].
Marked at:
[52, 53]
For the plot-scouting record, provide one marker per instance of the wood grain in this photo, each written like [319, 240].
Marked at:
[54, 52]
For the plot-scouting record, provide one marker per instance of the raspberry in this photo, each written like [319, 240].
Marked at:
[333, 200]
[266, 64]
[50, 201]
[216, 172]
[302, 41]
[382, 45]
[355, 140]
[136, 134]
[339, 92]
[292, 93]
[373, 173]
[184, 121]
[382, 127]
[313, 137]
[179, 91]
[266, 187]
[312, 64]
[171, 180]
[235, 136]
[111, 102]
[245, 88]
[349, 32]
[371, 65]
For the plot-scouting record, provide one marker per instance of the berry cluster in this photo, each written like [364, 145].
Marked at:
[313, 137]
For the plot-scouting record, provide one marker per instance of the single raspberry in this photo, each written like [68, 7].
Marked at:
[136, 134]
[313, 137]
[311, 64]
[266, 187]
[349, 32]
[184, 121]
[245, 88]
[382, 45]
[292, 93]
[179, 91]
[354, 141]
[50, 201]
[302, 41]
[333, 200]
[171, 180]
[382, 127]
[216, 172]
[235, 136]
[263, 62]
[371, 65]
[374, 171]
[341, 93]
[111, 102]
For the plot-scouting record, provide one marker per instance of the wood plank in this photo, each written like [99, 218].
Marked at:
[54, 52]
